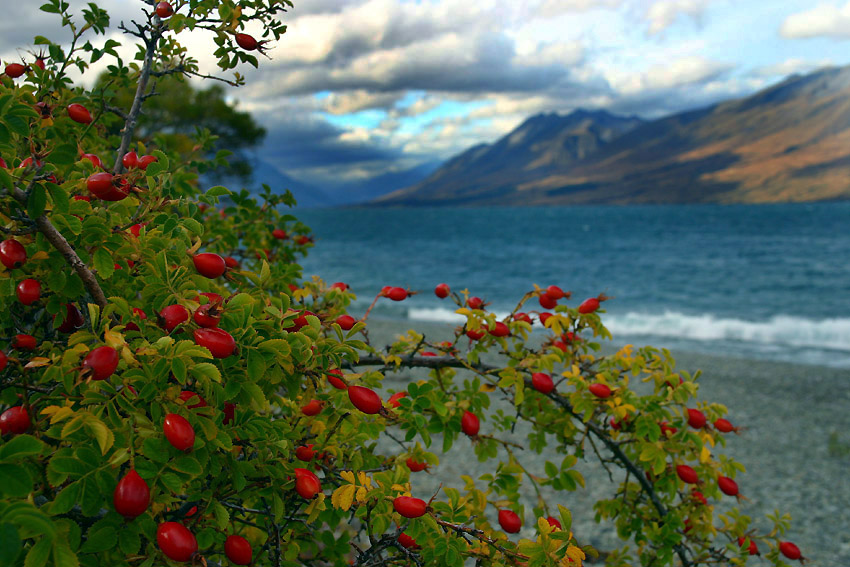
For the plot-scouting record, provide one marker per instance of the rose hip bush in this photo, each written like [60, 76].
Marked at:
[174, 391]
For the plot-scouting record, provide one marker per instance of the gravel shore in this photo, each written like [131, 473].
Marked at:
[795, 445]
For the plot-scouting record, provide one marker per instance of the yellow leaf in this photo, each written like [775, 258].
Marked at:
[57, 413]
[343, 497]
[364, 479]
[37, 362]
[488, 387]
[317, 427]
[543, 526]
[40, 255]
[574, 556]
[113, 339]
[347, 476]
[195, 247]
[128, 357]
[102, 434]
[705, 455]
[361, 494]
[316, 506]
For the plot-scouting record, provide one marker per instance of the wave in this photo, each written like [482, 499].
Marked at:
[442, 315]
[779, 330]
[783, 330]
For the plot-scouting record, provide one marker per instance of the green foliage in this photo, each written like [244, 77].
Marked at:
[108, 270]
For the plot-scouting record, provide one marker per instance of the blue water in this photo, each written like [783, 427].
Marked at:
[767, 281]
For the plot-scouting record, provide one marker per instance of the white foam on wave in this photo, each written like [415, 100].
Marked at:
[442, 315]
[778, 330]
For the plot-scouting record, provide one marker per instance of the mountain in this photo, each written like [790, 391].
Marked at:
[375, 187]
[306, 195]
[542, 145]
[789, 142]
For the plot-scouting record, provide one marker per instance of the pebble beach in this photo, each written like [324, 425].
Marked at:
[795, 444]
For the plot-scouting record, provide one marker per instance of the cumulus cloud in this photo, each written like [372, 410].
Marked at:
[824, 20]
[790, 66]
[346, 102]
[661, 14]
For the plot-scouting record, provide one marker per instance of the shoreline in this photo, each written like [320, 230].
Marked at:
[795, 444]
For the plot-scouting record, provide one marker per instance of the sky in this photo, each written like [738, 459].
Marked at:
[359, 88]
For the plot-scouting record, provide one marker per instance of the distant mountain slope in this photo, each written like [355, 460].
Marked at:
[542, 145]
[306, 195]
[789, 142]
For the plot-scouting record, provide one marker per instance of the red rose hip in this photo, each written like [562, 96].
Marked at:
[687, 474]
[470, 424]
[101, 362]
[172, 316]
[510, 521]
[164, 10]
[28, 291]
[600, 390]
[12, 254]
[442, 290]
[209, 265]
[238, 550]
[79, 113]
[410, 507]
[728, 486]
[346, 322]
[179, 432]
[14, 420]
[132, 495]
[176, 541]
[218, 341]
[542, 382]
[365, 399]
[790, 550]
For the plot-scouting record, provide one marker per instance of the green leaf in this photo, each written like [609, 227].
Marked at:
[172, 482]
[194, 226]
[30, 520]
[38, 554]
[239, 300]
[16, 480]
[99, 538]
[63, 556]
[17, 125]
[36, 201]
[66, 154]
[10, 544]
[208, 370]
[178, 368]
[103, 263]
[256, 365]
[20, 446]
[222, 516]
[59, 198]
[218, 191]
[129, 540]
[188, 465]
[66, 499]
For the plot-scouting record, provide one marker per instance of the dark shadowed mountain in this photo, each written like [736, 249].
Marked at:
[789, 142]
[307, 196]
[374, 187]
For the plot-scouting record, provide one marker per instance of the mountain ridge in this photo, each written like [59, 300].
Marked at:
[787, 142]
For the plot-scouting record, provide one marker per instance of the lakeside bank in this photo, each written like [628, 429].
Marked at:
[795, 445]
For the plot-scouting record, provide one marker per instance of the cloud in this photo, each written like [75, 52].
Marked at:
[661, 14]
[824, 20]
[347, 102]
[790, 66]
